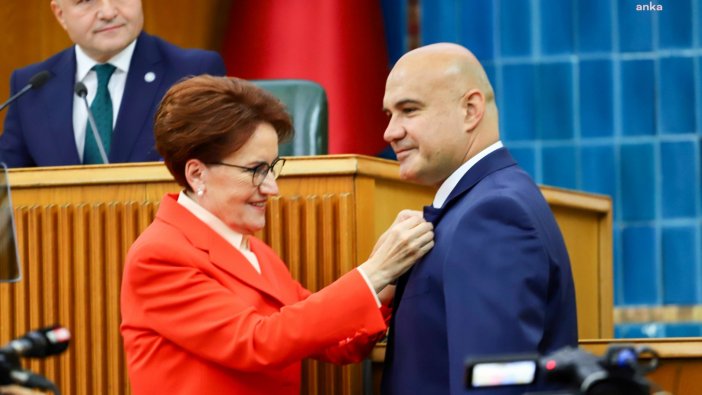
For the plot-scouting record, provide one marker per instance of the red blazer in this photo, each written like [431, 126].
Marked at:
[198, 319]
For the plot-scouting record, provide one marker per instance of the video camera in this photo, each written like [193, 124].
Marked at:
[573, 371]
[39, 343]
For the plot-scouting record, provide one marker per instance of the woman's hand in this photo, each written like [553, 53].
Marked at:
[409, 238]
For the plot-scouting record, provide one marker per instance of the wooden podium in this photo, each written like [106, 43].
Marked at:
[75, 225]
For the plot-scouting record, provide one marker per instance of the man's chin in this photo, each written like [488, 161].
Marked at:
[407, 172]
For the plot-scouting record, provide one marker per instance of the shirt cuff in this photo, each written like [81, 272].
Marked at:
[370, 286]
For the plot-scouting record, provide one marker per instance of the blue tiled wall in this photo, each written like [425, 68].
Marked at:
[680, 272]
[597, 96]
[637, 97]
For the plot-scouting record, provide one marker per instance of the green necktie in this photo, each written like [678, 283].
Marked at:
[102, 111]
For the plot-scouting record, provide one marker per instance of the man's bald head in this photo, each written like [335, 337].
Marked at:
[442, 111]
[447, 64]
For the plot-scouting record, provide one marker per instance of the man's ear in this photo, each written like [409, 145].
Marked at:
[58, 13]
[195, 174]
[473, 103]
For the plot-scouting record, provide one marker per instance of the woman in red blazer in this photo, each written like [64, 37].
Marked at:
[206, 307]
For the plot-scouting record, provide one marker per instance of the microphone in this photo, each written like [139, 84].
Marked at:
[25, 378]
[82, 91]
[39, 343]
[35, 82]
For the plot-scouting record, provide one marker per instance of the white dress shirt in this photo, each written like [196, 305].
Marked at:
[236, 239]
[447, 186]
[84, 64]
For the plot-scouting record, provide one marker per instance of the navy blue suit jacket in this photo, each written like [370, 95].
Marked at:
[498, 281]
[39, 126]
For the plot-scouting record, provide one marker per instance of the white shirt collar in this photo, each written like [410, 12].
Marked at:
[234, 238]
[85, 63]
[450, 183]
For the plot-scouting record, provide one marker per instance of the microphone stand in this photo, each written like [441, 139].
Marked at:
[15, 96]
[96, 135]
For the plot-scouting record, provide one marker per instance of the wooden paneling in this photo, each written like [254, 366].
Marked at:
[586, 224]
[72, 267]
[75, 225]
[29, 33]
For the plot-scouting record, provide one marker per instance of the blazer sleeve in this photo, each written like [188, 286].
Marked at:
[13, 148]
[355, 348]
[496, 279]
[194, 311]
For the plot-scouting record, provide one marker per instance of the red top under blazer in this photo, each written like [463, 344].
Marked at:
[198, 319]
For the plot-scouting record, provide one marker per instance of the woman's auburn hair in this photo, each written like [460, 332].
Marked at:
[208, 118]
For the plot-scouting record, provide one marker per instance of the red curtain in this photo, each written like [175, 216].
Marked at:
[339, 44]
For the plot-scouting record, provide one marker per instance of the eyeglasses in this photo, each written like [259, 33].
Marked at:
[260, 171]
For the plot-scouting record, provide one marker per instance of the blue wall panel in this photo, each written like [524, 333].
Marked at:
[559, 166]
[598, 170]
[514, 27]
[680, 275]
[439, 22]
[635, 28]
[526, 158]
[677, 95]
[683, 330]
[475, 28]
[556, 27]
[518, 99]
[640, 269]
[638, 184]
[594, 26]
[679, 175]
[638, 98]
[555, 101]
[675, 24]
[598, 96]
[596, 99]
[632, 331]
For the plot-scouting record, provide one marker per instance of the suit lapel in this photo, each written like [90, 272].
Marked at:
[139, 97]
[499, 159]
[57, 104]
[221, 253]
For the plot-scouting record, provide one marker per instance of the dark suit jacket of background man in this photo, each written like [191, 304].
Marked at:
[498, 281]
[39, 126]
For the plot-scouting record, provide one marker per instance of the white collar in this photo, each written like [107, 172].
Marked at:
[236, 239]
[85, 63]
[450, 183]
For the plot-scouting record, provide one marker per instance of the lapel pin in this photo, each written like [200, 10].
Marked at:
[150, 76]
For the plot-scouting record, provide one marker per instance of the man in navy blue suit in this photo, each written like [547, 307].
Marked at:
[498, 280]
[48, 126]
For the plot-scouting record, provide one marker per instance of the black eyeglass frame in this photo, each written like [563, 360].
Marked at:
[261, 170]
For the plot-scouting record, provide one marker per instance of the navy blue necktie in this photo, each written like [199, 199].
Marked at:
[432, 214]
[102, 111]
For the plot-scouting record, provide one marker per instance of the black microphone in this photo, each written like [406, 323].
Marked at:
[27, 379]
[35, 82]
[82, 91]
[39, 343]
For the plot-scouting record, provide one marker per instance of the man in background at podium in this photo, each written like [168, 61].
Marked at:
[498, 280]
[126, 72]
